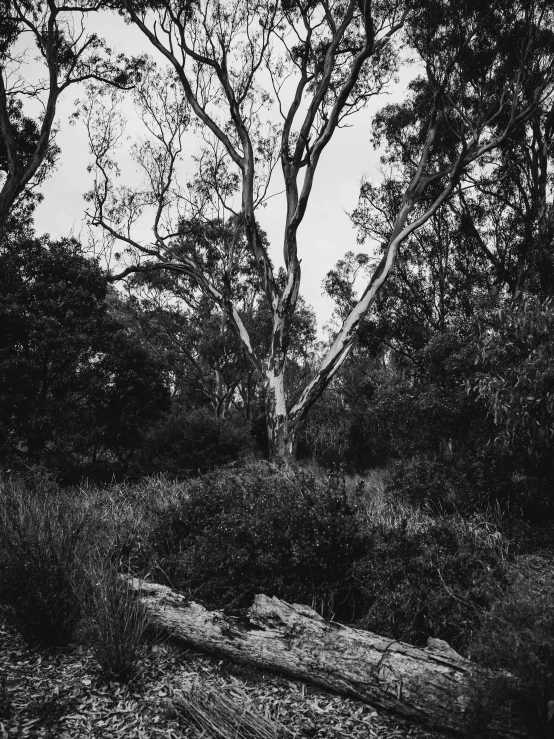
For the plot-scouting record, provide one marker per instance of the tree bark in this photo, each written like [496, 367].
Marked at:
[433, 685]
[278, 432]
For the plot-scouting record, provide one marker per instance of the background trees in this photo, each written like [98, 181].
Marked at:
[461, 214]
[487, 74]
[451, 316]
[76, 386]
[252, 145]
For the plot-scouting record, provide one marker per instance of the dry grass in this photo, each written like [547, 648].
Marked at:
[379, 510]
[220, 714]
[115, 619]
[41, 535]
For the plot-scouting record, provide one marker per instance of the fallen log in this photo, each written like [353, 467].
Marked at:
[434, 685]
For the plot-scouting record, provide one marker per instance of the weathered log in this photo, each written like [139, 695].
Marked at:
[433, 685]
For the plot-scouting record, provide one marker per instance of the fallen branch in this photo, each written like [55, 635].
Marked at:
[433, 685]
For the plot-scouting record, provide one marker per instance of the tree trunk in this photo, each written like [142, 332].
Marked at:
[434, 685]
[279, 436]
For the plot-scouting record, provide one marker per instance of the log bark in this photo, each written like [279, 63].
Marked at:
[434, 685]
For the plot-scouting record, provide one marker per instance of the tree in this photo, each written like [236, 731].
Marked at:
[76, 386]
[487, 69]
[516, 374]
[70, 56]
[186, 327]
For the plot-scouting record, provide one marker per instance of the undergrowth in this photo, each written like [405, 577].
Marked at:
[517, 634]
[346, 547]
[115, 620]
[231, 535]
[41, 533]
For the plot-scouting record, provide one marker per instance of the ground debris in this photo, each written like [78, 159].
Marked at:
[59, 695]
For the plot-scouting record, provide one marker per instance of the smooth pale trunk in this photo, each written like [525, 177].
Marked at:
[278, 433]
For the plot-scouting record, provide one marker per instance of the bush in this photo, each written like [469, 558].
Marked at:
[460, 484]
[430, 581]
[232, 535]
[40, 533]
[517, 634]
[430, 484]
[187, 441]
[116, 620]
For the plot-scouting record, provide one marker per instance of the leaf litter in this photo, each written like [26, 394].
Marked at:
[177, 694]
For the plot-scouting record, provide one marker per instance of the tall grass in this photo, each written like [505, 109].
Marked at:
[60, 557]
[41, 534]
[116, 621]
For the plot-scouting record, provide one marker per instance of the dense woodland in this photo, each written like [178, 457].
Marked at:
[166, 380]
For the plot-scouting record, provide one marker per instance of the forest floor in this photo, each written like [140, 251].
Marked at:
[59, 694]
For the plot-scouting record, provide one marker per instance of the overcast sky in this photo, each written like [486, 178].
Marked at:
[326, 233]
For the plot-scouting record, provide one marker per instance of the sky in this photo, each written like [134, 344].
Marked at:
[326, 233]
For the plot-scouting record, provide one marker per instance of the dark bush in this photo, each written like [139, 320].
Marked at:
[430, 484]
[232, 535]
[517, 634]
[40, 532]
[461, 483]
[432, 581]
[187, 441]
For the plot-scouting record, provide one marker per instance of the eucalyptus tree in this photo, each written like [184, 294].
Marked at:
[508, 212]
[186, 328]
[54, 34]
[77, 387]
[486, 69]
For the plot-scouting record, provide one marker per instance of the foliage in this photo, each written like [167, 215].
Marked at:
[40, 535]
[394, 410]
[194, 336]
[516, 374]
[51, 35]
[186, 441]
[430, 581]
[517, 634]
[234, 534]
[460, 483]
[26, 137]
[76, 385]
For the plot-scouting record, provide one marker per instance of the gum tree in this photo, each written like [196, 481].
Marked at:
[54, 33]
[485, 70]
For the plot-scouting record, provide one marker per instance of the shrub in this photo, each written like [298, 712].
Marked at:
[232, 535]
[116, 620]
[517, 634]
[431, 581]
[460, 484]
[187, 441]
[430, 484]
[40, 533]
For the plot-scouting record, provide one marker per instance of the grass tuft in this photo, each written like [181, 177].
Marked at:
[220, 716]
[41, 533]
[116, 620]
